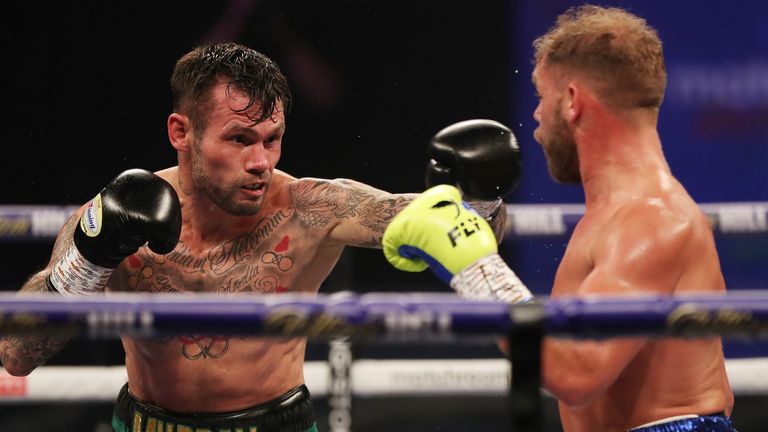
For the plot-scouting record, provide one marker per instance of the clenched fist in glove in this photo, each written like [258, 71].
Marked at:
[439, 231]
[134, 209]
[481, 158]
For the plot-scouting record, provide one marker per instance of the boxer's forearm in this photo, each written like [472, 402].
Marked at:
[499, 223]
[21, 354]
[495, 212]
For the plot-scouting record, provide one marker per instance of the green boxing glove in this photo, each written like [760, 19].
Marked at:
[439, 231]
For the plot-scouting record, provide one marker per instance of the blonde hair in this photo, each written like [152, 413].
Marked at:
[616, 50]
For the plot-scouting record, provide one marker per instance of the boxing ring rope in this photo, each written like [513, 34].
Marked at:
[42, 222]
[559, 219]
[434, 317]
[33, 223]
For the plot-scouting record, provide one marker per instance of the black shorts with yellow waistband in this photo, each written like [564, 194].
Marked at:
[718, 422]
[291, 412]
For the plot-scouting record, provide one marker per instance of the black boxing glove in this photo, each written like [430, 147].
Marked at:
[480, 157]
[134, 209]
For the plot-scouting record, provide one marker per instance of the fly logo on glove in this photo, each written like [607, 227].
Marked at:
[464, 228]
[436, 231]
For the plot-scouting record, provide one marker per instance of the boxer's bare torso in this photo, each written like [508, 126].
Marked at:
[291, 245]
[648, 238]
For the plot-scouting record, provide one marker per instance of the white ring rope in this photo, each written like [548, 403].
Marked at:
[33, 222]
[559, 219]
[369, 378]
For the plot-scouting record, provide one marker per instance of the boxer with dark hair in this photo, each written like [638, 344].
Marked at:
[224, 220]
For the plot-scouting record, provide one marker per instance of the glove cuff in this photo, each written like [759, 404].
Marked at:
[73, 275]
[489, 278]
[487, 209]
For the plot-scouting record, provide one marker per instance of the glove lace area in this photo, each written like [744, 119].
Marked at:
[489, 278]
[487, 209]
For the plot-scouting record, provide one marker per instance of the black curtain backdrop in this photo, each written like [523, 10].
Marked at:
[85, 89]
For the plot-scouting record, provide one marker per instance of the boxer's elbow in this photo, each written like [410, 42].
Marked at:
[18, 368]
[579, 372]
[15, 362]
[576, 390]
[573, 396]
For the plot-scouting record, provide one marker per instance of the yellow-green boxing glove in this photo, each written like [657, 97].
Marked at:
[438, 230]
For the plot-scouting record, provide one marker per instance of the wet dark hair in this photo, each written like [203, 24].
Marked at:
[238, 66]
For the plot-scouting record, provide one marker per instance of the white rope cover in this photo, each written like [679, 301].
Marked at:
[369, 378]
[42, 222]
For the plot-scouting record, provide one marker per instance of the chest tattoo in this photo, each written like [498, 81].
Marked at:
[227, 255]
[195, 347]
[253, 262]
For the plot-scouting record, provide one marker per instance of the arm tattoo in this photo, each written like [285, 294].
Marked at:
[321, 202]
[26, 352]
[23, 352]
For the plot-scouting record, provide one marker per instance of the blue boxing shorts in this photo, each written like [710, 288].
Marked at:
[718, 422]
[290, 412]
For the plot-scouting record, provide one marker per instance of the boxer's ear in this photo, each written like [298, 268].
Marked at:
[573, 103]
[180, 132]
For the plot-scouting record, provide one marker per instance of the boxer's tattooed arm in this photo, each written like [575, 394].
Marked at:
[321, 203]
[22, 354]
[495, 212]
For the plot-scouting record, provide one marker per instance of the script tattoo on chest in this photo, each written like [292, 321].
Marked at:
[224, 257]
[248, 263]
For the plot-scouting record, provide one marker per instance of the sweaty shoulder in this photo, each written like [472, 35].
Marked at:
[652, 241]
[668, 210]
[664, 223]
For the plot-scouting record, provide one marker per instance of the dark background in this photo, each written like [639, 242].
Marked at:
[85, 96]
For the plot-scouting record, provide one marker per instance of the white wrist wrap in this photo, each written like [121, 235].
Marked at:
[489, 278]
[74, 275]
[485, 209]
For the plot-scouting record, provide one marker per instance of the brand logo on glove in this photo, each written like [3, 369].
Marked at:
[90, 223]
[446, 203]
[465, 228]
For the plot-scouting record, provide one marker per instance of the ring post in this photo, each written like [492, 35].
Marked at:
[525, 339]
[340, 385]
